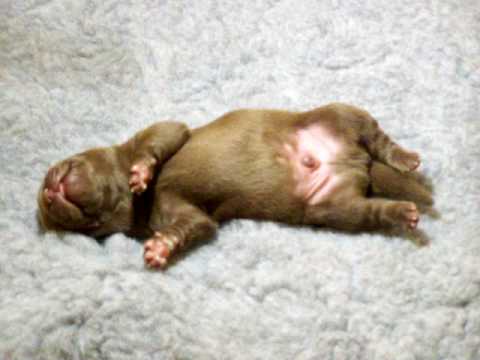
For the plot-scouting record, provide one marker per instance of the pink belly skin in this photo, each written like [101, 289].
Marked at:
[311, 155]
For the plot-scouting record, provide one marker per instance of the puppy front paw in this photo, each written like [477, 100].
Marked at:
[141, 173]
[158, 249]
[404, 160]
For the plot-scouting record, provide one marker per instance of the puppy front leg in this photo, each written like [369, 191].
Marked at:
[151, 148]
[177, 224]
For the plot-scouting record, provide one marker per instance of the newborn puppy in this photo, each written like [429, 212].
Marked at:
[175, 187]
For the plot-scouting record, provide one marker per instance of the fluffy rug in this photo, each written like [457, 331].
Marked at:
[78, 74]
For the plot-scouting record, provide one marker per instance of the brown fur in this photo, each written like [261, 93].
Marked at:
[233, 168]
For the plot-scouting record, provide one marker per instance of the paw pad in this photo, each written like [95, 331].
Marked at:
[158, 249]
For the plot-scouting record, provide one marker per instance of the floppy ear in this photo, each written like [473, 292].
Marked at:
[45, 223]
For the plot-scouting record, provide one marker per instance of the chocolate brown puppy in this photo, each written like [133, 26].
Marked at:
[175, 187]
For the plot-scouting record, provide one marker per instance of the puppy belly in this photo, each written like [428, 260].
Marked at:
[311, 154]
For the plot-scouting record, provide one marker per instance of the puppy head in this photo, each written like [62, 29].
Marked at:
[88, 193]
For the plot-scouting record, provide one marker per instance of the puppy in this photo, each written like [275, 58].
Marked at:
[174, 186]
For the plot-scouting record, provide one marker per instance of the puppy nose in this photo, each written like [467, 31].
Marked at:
[50, 194]
[52, 181]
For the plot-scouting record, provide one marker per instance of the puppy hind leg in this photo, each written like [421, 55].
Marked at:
[361, 214]
[380, 146]
[389, 182]
[372, 137]
[348, 120]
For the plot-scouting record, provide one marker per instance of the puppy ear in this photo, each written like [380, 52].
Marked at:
[45, 223]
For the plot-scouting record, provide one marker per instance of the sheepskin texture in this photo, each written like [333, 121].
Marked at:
[78, 74]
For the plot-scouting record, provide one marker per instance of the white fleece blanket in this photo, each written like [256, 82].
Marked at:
[77, 74]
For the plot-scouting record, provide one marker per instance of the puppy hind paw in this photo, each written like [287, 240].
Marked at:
[404, 160]
[407, 215]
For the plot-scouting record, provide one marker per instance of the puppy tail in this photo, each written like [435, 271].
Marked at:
[391, 183]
